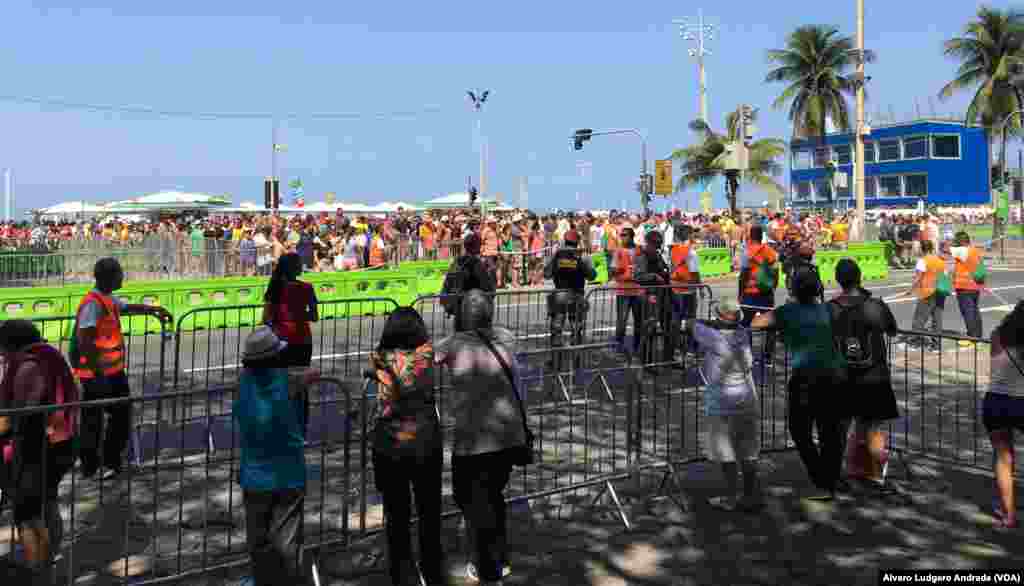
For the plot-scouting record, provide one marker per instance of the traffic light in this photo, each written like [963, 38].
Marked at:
[747, 127]
[582, 135]
[472, 196]
[271, 193]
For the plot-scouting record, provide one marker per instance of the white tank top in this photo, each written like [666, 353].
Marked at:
[1006, 378]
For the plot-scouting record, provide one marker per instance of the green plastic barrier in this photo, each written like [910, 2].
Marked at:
[429, 274]
[600, 261]
[714, 262]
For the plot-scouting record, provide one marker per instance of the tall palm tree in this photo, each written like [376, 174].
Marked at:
[816, 64]
[991, 55]
[706, 160]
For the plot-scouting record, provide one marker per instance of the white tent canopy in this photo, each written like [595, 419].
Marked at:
[73, 207]
[170, 200]
[461, 200]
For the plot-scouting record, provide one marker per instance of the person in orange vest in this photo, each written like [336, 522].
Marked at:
[98, 360]
[378, 251]
[968, 286]
[628, 294]
[685, 275]
[930, 302]
[756, 258]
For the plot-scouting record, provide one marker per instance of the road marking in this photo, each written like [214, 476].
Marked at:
[998, 308]
[901, 299]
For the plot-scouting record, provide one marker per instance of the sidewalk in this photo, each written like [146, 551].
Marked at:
[939, 521]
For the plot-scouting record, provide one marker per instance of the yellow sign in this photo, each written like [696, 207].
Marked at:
[663, 177]
[705, 202]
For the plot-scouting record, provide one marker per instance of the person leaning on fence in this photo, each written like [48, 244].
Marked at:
[931, 286]
[37, 449]
[407, 445]
[653, 272]
[817, 386]
[860, 324]
[289, 307]
[272, 466]
[1003, 410]
[97, 356]
[488, 429]
[570, 273]
[730, 403]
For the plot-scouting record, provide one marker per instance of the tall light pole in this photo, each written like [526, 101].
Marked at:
[478, 100]
[701, 33]
[859, 139]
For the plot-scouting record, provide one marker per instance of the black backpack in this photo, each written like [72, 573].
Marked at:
[455, 285]
[854, 337]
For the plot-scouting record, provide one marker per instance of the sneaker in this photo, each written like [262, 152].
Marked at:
[473, 576]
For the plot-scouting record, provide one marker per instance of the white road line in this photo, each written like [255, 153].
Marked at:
[998, 308]
[893, 300]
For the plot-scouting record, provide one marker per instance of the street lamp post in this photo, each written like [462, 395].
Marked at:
[582, 136]
[859, 139]
[478, 100]
[701, 33]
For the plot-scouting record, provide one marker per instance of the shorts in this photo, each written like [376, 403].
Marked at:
[28, 503]
[733, 438]
[1001, 412]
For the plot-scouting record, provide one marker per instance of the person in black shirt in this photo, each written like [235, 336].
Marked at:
[473, 275]
[570, 273]
[651, 270]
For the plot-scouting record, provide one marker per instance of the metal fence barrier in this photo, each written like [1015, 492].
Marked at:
[600, 414]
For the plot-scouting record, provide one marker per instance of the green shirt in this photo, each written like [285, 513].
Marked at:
[198, 241]
[807, 329]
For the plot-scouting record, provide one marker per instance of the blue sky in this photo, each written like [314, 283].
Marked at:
[551, 67]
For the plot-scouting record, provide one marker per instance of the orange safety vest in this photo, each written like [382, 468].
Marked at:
[611, 234]
[680, 271]
[109, 339]
[963, 276]
[624, 258]
[758, 255]
[933, 266]
[377, 252]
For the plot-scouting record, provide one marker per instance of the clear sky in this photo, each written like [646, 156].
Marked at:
[401, 70]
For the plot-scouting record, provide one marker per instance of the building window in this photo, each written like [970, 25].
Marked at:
[822, 189]
[801, 160]
[889, 186]
[946, 146]
[915, 185]
[870, 187]
[915, 148]
[888, 150]
[822, 155]
[802, 190]
[842, 154]
[869, 152]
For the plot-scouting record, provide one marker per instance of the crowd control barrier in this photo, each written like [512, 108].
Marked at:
[601, 414]
[714, 262]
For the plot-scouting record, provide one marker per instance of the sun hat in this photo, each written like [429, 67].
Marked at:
[263, 343]
[727, 306]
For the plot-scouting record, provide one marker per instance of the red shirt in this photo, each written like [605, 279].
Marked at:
[288, 315]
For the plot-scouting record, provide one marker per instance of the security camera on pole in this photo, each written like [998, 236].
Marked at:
[737, 151]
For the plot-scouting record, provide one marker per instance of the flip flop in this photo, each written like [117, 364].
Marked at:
[722, 504]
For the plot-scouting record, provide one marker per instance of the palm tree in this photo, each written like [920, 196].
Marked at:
[991, 54]
[706, 160]
[816, 64]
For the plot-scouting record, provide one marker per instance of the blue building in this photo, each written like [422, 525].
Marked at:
[941, 163]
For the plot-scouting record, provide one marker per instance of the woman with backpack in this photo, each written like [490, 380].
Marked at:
[860, 323]
[817, 384]
[37, 449]
[1003, 409]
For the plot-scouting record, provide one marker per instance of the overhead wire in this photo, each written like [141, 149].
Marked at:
[198, 115]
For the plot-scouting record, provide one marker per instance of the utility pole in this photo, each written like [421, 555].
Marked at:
[8, 196]
[700, 32]
[859, 151]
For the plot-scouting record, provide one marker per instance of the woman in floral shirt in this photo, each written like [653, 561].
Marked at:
[407, 444]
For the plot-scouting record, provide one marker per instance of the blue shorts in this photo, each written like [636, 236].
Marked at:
[1001, 412]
